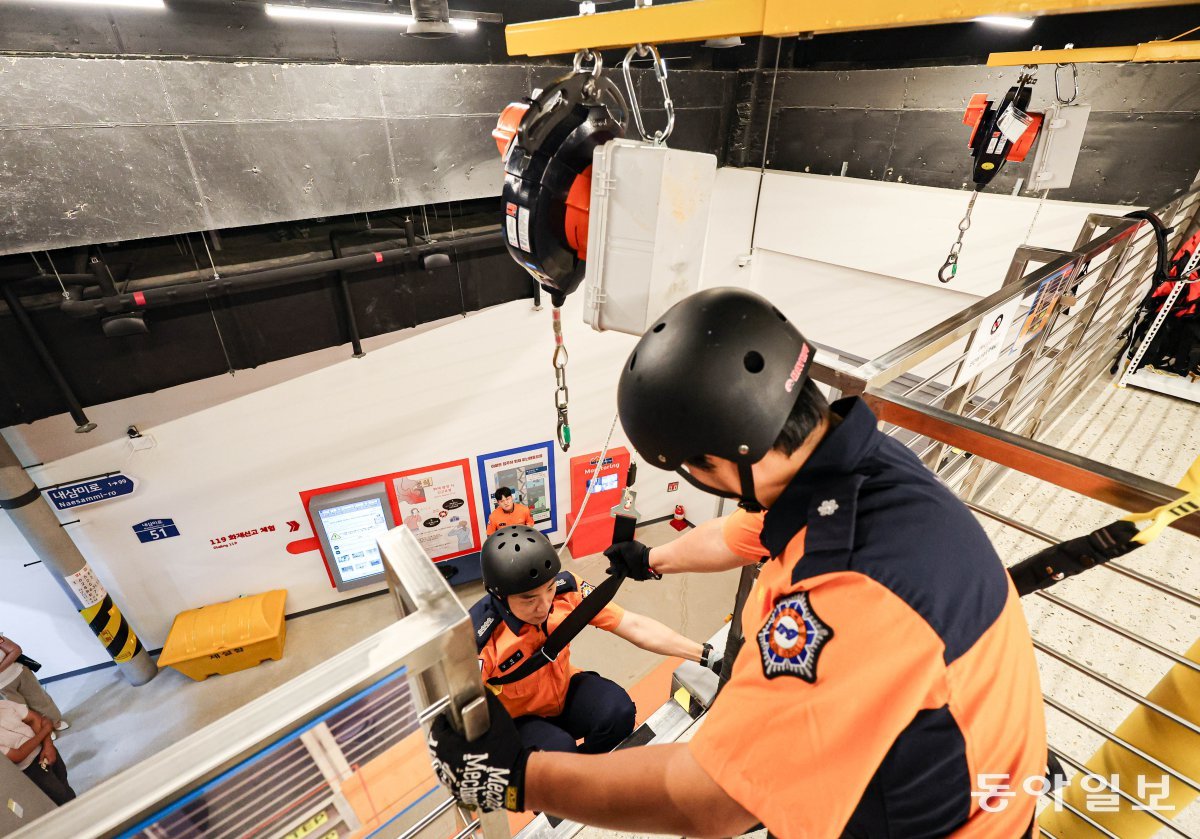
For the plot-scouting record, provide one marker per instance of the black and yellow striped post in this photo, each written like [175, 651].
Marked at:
[22, 502]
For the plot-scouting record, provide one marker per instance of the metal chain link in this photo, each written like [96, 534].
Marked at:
[951, 263]
[561, 395]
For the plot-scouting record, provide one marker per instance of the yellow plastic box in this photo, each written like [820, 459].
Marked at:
[226, 637]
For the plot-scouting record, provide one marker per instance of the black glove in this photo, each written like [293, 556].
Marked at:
[488, 773]
[710, 660]
[631, 559]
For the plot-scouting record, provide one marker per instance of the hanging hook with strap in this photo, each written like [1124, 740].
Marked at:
[950, 267]
[561, 395]
[660, 72]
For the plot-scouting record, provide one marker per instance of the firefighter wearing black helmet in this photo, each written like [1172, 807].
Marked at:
[887, 685]
[528, 596]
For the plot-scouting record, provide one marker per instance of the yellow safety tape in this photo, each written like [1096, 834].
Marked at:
[110, 631]
[113, 626]
[91, 611]
[128, 650]
[1161, 518]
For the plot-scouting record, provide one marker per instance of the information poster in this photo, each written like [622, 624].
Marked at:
[988, 342]
[1048, 293]
[435, 504]
[529, 472]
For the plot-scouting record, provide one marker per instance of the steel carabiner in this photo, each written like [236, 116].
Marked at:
[660, 72]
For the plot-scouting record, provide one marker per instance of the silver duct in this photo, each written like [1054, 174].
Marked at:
[432, 19]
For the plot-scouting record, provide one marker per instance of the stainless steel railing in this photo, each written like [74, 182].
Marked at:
[275, 767]
[1065, 312]
[974, 424]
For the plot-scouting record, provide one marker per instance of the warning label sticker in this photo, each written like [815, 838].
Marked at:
[1013, 122]
[523, 228]
[511, 228]
[510, 209]
[86, 587]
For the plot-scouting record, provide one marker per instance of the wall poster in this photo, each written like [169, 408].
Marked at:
[529, 472]
[435, 504]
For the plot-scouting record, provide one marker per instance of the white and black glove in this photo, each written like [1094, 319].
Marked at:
[488, 773]
[710, 660]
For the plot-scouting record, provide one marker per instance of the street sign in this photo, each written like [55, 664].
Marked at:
[68, 496]
[155, 530]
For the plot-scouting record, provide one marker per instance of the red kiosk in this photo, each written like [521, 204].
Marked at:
[606, 483]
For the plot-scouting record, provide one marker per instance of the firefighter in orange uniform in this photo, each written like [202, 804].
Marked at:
[507, 512]
[528, 598]
[887, 678]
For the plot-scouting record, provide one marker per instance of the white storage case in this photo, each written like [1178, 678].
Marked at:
[646, 229]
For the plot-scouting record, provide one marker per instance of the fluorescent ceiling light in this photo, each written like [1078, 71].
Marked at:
[316, 13]
[327, 15]
[132, 4]
[1010, 22]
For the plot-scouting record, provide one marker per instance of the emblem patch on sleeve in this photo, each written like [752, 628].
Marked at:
[792, 639]
[585, 588]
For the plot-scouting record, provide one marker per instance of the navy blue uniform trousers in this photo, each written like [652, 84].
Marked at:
[597, 710]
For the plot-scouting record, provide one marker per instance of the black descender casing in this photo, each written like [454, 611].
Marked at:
[989, 147]
[553, 146]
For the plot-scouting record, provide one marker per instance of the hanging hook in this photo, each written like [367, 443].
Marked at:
[587, 55]
[1074, 81]
[660, 72]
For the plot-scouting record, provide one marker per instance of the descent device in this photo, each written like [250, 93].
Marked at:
[547, 141]
[999, 133]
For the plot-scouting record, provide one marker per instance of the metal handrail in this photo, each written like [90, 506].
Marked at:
[432, 642]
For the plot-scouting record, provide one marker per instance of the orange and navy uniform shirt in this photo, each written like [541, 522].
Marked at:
[520, 515]
[887, 686]
[504, 642]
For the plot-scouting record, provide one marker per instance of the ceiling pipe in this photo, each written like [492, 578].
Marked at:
[170, 295]
[82, 424]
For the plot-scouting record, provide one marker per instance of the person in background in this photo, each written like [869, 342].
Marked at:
[507, 512]
[18, 684]
[25, 737]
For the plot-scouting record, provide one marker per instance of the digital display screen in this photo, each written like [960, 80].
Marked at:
[604, 483]
[352, 530]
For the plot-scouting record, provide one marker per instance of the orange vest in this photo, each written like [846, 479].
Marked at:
[520, 515]
[887, 685]
[504, 642]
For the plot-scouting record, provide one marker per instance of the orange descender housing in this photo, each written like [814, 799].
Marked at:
[506, 126]
[976, 110]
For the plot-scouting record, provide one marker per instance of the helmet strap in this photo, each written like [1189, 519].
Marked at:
[748, 500]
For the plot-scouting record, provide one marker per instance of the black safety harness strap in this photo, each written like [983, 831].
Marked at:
[1074, 556]
[581, 616]
[566, 631]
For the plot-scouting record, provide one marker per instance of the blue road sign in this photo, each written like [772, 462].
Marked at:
[154, 530]
[68, 496]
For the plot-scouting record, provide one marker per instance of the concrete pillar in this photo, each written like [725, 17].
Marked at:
[35, 519]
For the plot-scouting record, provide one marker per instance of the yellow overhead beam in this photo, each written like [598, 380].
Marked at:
[1150, 51]
[698, 20]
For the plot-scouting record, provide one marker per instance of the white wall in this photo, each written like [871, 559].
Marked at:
[236, 455]
[855, 262]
